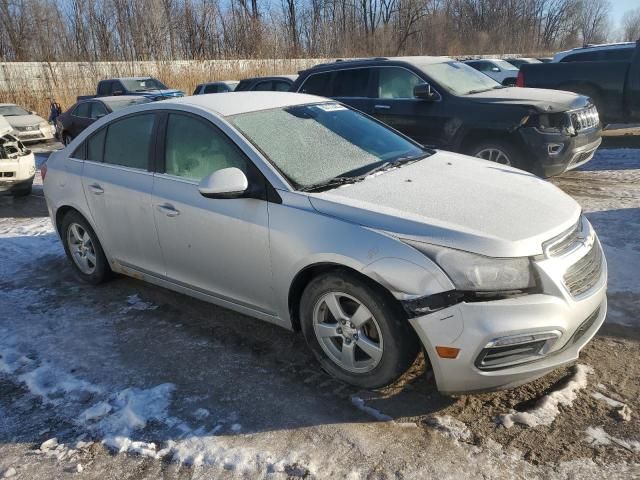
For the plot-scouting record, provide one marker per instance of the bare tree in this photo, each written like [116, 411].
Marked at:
[631, 25]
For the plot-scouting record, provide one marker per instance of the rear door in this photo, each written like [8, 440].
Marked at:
[354, 87]
[216, 246]
[396, 106]
[118, 182]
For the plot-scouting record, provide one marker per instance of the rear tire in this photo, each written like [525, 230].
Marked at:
[371, 344]
[66, 139]
[84, 250]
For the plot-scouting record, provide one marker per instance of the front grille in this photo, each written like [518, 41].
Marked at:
[584, 274]
[585, 119]
[565, 241]
[28, 128]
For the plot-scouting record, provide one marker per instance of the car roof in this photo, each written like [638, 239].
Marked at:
[590, 48]
[127, 78]
[270, 77]
[233, 103]
[8, 105]
[417, 60]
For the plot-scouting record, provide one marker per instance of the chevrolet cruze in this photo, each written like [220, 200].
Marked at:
[305, 213]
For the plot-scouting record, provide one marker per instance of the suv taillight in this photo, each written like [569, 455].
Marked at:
[43, 170]
[520, 79]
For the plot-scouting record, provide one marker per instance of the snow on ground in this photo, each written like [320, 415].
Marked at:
[547, 408]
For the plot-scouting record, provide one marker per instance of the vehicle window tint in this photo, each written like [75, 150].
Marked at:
[264, 86]
[582, 57]
[78, 153]
[481, 66]
[211, 89]
[318, 84]
[95, 146]
[194, 148]
[280, 86]
[396, 83]
[352, 83]
[618, 55]
[104, 88]
[83, 110]
[128, 141]
[97, 109]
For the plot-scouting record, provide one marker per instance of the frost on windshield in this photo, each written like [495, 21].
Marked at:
[312, 144]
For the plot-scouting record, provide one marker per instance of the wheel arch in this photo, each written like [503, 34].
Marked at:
[308, 273]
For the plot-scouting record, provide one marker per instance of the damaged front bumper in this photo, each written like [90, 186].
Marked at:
[17, 165]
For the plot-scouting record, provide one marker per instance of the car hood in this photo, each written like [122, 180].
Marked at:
[24, 120]
[543, 100]
[457, 201]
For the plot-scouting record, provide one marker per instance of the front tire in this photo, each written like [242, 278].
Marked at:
[83, 249]
[498, 151]
[356, 330]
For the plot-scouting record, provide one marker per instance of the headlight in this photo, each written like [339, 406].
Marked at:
[477, 273]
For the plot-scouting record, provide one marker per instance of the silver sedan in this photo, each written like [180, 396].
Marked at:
[305, 213]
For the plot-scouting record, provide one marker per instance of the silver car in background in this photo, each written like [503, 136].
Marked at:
[305, 213]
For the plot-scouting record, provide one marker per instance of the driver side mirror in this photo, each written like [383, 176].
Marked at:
[224, 183]
[424, 92]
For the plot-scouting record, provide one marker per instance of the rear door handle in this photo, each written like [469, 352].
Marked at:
[382, 107]
[96, 189]
[169, 210]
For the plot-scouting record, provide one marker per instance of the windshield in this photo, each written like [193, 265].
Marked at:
[12, 111]
[315, 144]
[143, 85]
[458, 78]
[121, 103]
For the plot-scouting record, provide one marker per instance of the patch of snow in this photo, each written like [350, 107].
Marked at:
[610, 401]
[547, 408]
[95, 412]
[49, 444]
[597, 436]
[623, 413]
[450, 427]
[9, 472]
[360, 405]
[53, 385]
[135, 303]
[201, 413]
[236, 427]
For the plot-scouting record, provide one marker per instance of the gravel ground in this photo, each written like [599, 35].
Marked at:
[185, 389]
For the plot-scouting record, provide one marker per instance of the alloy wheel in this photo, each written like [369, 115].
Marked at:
[81, 248]
[494, 155]
[347, 332]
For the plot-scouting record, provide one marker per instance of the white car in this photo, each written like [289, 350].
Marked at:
[303, 212]
[27, 126]
[17, 164]
[500, 70]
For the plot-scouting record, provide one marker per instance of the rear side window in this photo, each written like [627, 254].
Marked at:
[318, 84]
[264, 86]
[281, 86]
[95, 146]
[104, 88]
[82, 110]
[195, 148]
[211, 89]
[128, 141]
[396, 82]
[352, 83]
[97, 110]
[611, 55]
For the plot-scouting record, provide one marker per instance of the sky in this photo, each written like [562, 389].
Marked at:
[620, 7]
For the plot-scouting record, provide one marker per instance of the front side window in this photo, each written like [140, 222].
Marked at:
[128, 141]
[211, 89]
[352, 83]
[394, 82]
[312, 144]
[318, 84]
[194, 148]
[83, 110]
[98, 110]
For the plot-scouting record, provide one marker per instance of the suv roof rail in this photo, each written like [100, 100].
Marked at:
[346, 60]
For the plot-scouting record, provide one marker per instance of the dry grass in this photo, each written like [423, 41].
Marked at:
[32, 84]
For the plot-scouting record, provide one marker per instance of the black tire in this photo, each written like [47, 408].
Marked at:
[24, 191]
[512, 152]
[66, 139]
[102, 271]
[400, 342]
[509, 82]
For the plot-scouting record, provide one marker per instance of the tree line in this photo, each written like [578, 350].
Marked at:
[133, 30]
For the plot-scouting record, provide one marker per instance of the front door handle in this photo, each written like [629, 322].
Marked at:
[96, 189]
[382, 107]
[169, 210]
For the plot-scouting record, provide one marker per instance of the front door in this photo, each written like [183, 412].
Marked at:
[216, 246]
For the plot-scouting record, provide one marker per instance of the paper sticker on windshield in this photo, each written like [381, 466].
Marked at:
[331, 107]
